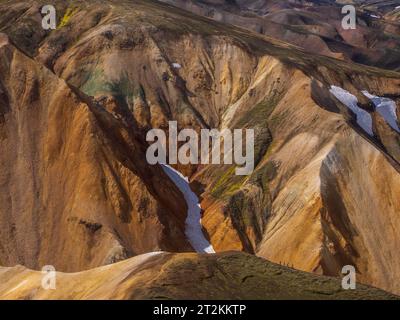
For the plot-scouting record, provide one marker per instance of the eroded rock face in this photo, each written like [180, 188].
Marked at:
[77, 191]
[76, 183]
[313, 199]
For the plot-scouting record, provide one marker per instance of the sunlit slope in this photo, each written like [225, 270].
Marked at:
[183, 276]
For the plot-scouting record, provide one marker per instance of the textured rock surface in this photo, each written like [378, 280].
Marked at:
[183, 276]
[77, 191]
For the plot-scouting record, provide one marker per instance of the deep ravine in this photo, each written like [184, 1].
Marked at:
[193, 227]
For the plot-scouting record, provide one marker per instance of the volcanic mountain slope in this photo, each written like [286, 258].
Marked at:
[183, 276]
[315, 26]
[76, 188]
[324, 192]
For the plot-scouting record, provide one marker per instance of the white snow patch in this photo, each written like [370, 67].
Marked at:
[193, 229]
[386, 108]
[176, 65]
[364, 119]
